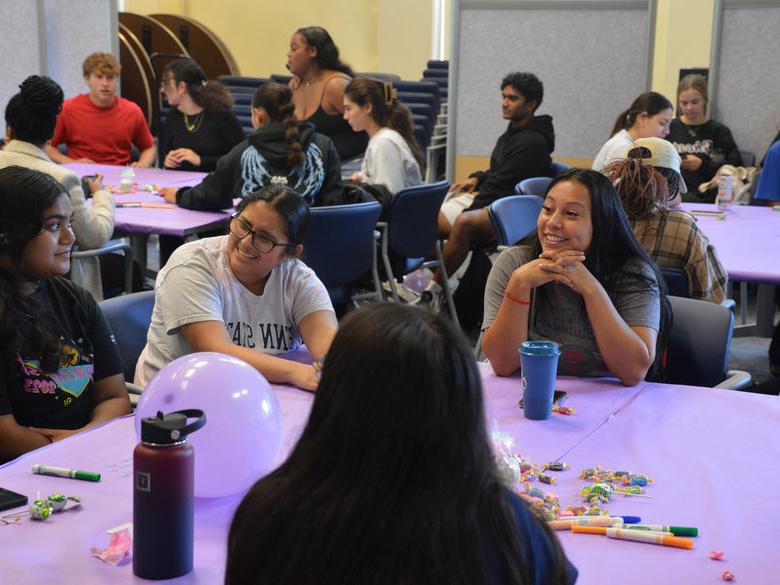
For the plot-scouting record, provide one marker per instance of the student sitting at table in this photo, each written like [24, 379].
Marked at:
[393, 479]
[581, 280]
[704, 144]
[202, 127]
[30, 117]
[60, 371]
[280, 151]
[650, 114]
[99, 126]
[648, 179]
[245, 294]
[393, 157]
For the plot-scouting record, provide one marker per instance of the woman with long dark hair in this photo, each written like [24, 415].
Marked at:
[60, 371]
[281, 151]
[318, 83]
[650, 114]
[392, 480]
[393, 157]
[201, 127]
[581, 280]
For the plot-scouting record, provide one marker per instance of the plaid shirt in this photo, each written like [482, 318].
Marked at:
[674, 240]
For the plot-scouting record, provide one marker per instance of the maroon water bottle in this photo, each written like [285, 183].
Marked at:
[163, 495]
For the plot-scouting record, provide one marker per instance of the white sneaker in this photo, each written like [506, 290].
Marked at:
[431, 299]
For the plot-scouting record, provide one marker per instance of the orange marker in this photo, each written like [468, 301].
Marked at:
[636, 535]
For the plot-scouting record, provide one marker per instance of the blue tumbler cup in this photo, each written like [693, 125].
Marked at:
[538, 364]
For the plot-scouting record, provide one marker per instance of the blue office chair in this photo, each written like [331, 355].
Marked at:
[129, 317]
[514, 217]
[341, 247]
[698, 346]
[412, 231]
[558, 168]
[676, 282]
[533, 186]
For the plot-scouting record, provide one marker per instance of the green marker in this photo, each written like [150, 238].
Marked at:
[63, 472]
[675, 530]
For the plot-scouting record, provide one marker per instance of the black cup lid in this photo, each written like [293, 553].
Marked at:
[171, 428]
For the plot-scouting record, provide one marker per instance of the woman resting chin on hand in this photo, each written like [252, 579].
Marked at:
[583, 281]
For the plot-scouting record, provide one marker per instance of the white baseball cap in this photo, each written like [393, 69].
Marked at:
[658, 153]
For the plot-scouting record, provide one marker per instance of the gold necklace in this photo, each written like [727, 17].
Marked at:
[195, 124]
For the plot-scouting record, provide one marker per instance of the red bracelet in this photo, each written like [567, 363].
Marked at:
[513, 298]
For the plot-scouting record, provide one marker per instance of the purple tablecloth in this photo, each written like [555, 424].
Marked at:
[714, 455]
[747, 241]
[174, 221]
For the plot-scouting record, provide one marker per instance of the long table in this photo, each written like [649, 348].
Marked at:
[714, 456]
[138, 223]
[747, 241]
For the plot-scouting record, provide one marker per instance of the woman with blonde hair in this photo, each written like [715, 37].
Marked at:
[704, 144]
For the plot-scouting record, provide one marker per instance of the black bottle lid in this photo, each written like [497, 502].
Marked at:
[171, 428]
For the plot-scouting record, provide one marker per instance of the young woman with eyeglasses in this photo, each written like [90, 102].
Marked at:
[245, 294]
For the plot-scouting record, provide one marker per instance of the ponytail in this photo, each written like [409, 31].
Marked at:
[386, 110]
[276, 100]
[650, 103]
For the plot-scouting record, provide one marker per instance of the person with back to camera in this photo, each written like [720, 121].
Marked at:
[280, 151]
[202, 127]
[60, 371]
[393, 479]
[30, 117]
[393, 157]
[521, 152]
[649, 115]
[704, 144]
[245, 294]
[648, 179]
[581, 280]
[99, 126]
[318, 83]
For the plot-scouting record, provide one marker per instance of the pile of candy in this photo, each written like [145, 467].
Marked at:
[41, 509]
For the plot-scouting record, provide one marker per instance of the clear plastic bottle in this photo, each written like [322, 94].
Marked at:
[163, 495]
[725, 191]
[126, 180]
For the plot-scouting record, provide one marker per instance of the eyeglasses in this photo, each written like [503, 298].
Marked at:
[241, 229]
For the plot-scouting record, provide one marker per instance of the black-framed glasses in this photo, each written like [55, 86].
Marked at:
[262, 243]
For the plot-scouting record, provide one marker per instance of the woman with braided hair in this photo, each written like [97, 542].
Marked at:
[393, 157]
[648, 180]
[30, 117]
[202, 126]
[280, 151]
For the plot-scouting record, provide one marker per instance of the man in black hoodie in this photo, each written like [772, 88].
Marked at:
[523, 151]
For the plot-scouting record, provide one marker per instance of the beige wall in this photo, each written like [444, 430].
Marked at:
[404, 37]
[682, 40]
[393, 36]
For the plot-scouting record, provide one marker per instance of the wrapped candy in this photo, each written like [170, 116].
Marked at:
[727, 576]
[636, 479]
[597, 493]
[547, 478]
[39, 510]
[556, 466]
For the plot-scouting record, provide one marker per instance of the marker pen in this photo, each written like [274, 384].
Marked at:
[676, 530]
[63, 472]
[636, 535]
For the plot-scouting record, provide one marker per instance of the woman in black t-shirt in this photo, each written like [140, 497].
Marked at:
[60, 371]
[201, 127]
[703, 144]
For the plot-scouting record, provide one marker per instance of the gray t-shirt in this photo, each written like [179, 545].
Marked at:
[197, 285]
[558, 313]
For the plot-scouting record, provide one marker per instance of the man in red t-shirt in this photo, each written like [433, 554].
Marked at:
[100, 127]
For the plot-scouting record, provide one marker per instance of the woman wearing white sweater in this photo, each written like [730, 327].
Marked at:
[393, 157]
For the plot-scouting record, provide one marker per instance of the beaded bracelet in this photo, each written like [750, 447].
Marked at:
[513, 298]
